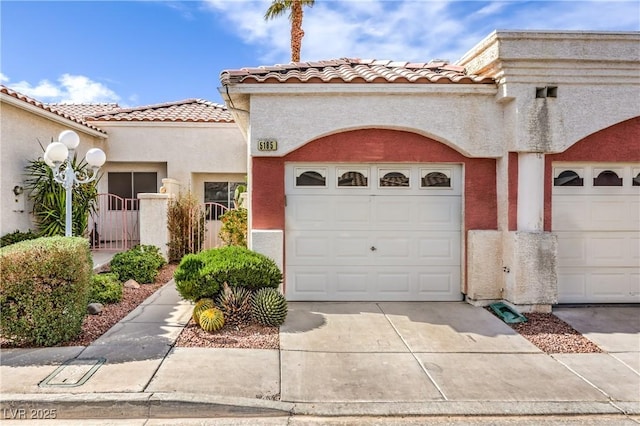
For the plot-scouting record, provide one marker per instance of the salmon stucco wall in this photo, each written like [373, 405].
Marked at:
[618, 143]
[371, 146]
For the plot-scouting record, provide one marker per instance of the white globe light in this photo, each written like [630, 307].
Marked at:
[55, 153]
[69, 138]
[96, 157]
[48, 161]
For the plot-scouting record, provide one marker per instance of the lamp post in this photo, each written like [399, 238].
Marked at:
[59, 156]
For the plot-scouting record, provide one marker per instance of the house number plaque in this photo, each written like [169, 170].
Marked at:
[267, 145]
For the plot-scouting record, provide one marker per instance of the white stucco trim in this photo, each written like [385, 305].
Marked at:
[269, 243]
[530, 191]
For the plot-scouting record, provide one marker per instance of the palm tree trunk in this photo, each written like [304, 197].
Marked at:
[296, 30]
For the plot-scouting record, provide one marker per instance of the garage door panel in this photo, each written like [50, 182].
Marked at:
[574, 286]
[310, 284]
[441, 213]
[439, 284]
[350, 212]
[393, 212]
[393, 284]
[388, 248]
[353, 283]
[616, 214]
[416, 212]
[351, 247]
[596, 212]
[572, 249]
[310, 247]
[599, 285]
[327, 248]
[308, 213]
[440, 249]
[598, 249]
[609, 249]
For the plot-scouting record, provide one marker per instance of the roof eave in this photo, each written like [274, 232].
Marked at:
[234, 91]
[52, 116]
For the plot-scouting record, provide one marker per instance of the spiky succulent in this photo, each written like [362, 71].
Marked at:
[235, 304]
[269, 307]
[211, 319]
[201, 305]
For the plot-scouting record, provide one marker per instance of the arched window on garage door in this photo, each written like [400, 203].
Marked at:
[607, 178]
[311, 177]
[568, 178]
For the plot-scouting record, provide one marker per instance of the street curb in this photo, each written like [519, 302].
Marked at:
[140, 405]
[180, 405]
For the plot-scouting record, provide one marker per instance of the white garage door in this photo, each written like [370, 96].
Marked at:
[373, 232]
[596, 217]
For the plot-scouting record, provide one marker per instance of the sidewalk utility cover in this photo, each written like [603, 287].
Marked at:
[74, 372]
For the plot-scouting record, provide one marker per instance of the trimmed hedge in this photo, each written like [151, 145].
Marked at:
[44, 289]
[140, 263]
[202, 275]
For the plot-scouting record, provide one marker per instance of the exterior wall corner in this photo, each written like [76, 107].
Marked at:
[485, 277]
[531, 258]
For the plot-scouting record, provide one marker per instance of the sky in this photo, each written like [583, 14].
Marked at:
[137, 53]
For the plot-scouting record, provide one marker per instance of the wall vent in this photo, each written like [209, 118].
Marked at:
[547, 92]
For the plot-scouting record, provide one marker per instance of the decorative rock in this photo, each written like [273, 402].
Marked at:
[131, 284]
[95, 308]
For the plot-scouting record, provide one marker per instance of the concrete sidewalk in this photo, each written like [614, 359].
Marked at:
[335, 359]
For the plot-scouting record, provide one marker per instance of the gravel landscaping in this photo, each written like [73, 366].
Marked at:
[546, 331]
[554, 336]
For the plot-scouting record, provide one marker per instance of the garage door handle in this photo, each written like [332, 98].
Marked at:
[373, 248]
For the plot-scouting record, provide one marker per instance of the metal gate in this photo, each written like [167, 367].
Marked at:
[213, 211]
[115, 223]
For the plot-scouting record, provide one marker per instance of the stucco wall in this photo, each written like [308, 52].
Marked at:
[464, 117]
[185, 148]
[595, 73]
[20, 131]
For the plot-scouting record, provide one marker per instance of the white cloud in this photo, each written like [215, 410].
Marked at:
[68, 89]
[3, 78]
[80, 89]
[410, 30]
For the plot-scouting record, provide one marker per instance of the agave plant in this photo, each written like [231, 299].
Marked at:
[49, 197]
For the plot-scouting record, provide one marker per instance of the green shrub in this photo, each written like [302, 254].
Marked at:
[16, 237]
[48, 197]
[44, 290]
[105, 289]
[202, 275]
[140, 263]
[234, 227]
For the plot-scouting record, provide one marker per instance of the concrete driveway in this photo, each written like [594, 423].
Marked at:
[416, 352]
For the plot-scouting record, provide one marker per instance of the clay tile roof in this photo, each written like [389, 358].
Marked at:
[84, 110]
[49, 108]
[189, 110]
[348, 70]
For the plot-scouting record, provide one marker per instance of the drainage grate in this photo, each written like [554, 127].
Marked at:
[506, 313]
[72, 373]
